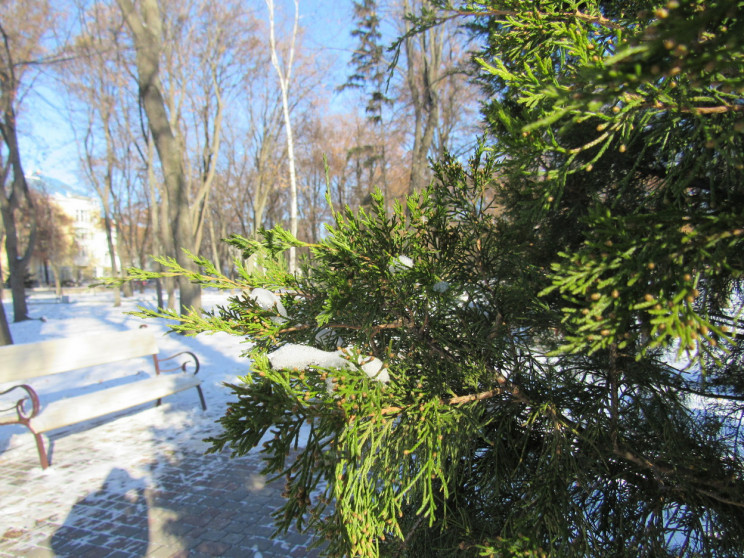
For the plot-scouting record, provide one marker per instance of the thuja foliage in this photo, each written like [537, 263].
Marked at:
[625, 118]
[559, 319]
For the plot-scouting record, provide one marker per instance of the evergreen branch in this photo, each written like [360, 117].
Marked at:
[413, 530]
[375, 328]
[599, 139]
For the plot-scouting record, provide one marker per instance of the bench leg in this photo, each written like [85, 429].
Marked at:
[201, 396]
[42, 451]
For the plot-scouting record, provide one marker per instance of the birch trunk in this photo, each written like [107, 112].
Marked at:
[285, 76]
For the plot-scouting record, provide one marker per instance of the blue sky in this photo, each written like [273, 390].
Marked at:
[47, 142]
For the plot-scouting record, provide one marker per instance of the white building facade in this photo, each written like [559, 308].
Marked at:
[91, 259]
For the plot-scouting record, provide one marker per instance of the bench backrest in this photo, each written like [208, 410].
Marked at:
[30, 360]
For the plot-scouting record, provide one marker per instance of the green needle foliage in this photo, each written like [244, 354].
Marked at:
[558, 321]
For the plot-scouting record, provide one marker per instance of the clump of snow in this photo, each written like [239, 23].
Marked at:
[441, 287]
[268, 300]
[375, 369]
[301, 356]
[295, 356]
[399, 264]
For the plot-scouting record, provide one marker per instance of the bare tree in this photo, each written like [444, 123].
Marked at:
[419, 111]
[189, 58]
[22, 26]
[146, 29]
[98, 82]
[423, 73]
[285, 78]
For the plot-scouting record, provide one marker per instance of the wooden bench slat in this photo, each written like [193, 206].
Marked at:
[93, 405]
[30, 360]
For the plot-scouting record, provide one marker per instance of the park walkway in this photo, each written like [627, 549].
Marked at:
[125, 489]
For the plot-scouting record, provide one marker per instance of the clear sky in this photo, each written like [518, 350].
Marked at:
[47, 142]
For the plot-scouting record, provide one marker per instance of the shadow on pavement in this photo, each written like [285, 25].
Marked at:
[195, 506]
[119, 513]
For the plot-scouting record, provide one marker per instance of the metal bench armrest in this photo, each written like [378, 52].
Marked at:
[24, 415]
[194, 361]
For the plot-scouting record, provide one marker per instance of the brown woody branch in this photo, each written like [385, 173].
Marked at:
[714, 110]
[460, 399]
[380, 327]
[721, 109]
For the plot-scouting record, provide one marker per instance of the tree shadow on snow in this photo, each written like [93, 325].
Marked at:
[217, 505]
[114, 518]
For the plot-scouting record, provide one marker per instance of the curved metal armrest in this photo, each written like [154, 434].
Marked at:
[20, 407]
[181, 366]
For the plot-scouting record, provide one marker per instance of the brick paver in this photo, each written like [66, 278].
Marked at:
[167, 500]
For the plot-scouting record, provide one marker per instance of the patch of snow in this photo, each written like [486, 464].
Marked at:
[441, 287]
[375, 369]
[301, 356]
[295, 356]
[268, 300]
[399, 264]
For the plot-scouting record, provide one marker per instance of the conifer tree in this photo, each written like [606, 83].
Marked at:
[367, 59]
[542, 353]
[370, 76]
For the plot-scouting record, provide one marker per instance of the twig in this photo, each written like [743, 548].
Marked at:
[454, 400]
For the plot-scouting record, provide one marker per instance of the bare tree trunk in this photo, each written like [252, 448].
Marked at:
[422, 77]
[57, 280]
[167, 244]
[125, 260]
[17, 262]
[5, 337]
[154, 214]
[215, 247]
[284, 81]
[106, 194]
[112, 251]
[146, 29]
[11, 200]
[211, 151]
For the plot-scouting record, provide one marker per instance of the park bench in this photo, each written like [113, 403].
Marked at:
[24, 362]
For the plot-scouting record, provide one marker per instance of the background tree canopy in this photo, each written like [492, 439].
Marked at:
[558, 322]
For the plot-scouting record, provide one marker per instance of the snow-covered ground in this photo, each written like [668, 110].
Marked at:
[133, 440]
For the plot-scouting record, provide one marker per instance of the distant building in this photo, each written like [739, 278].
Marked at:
[91, 256]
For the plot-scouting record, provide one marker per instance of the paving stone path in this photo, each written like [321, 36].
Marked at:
[163, 501]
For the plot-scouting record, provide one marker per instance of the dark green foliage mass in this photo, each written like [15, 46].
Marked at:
[559, 319]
